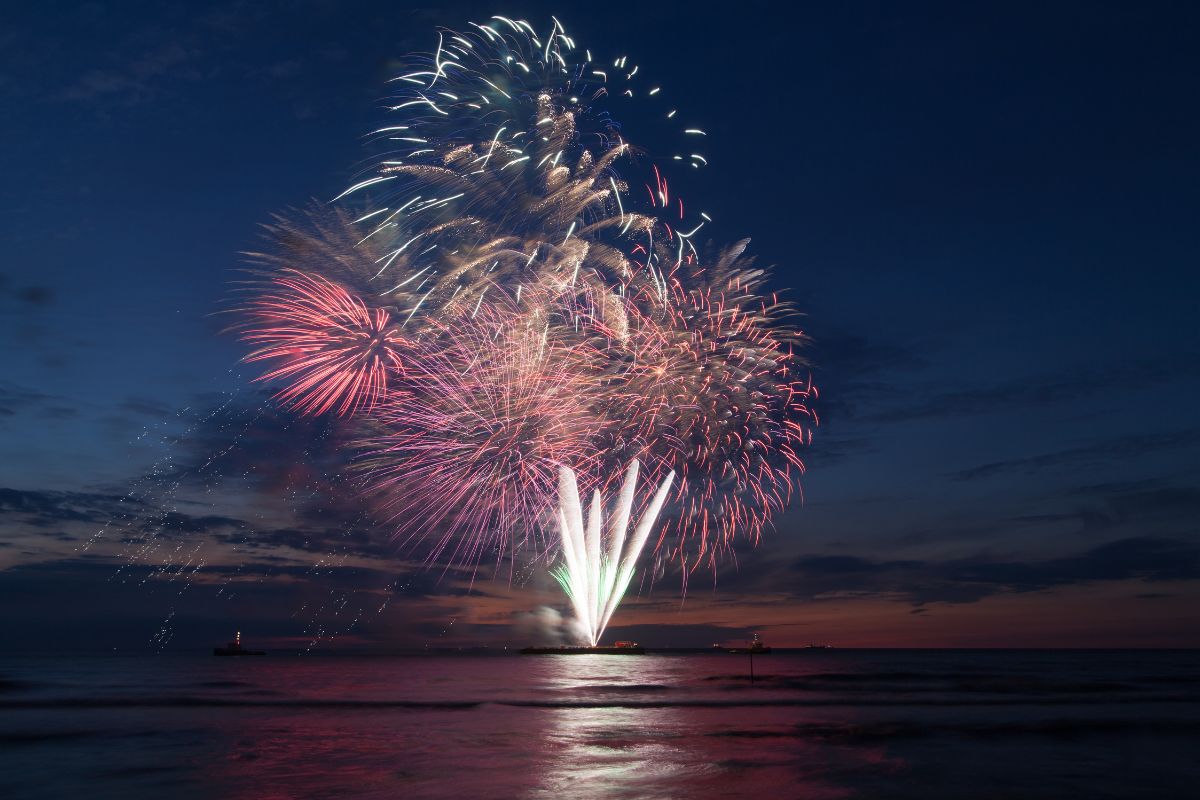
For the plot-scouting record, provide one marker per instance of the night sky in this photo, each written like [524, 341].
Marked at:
[988, 213]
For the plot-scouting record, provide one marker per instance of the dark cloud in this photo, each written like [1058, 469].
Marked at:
[850, 371]
[46, 508]
[1033, 391]
[134, 78]
[92, 603]
[829, 449]
[968, 580]
[25, 294]
[1108, 488]
[241, 474]
[1109, 450]
[1092, 512]
[155, 409]
[128, 520]
[1183, 500]
[249, 435]
[230, 452]
[1156, 505]
[358, 540]
[35, 295]
[15, 398]
[853, 357]
[174, 521]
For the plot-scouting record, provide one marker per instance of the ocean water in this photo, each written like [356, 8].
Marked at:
[815, 724]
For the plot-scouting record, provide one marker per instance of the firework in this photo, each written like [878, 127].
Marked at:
[597, 566]
[470, 455]
[502, 304]
[498, 173]
[332, 352]
[717, 396]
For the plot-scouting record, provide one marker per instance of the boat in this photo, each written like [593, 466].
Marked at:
[621, 648]
[235, 648]
[756, 648]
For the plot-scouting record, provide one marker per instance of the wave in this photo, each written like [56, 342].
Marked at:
[217, 702]
[17, 738]
[17, 685]
[908, 682]
[851, 732]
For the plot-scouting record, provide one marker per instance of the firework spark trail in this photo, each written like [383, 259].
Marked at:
[499, 171]
[525, 310]
[470, 455]
[594, 577]
[715, 397]
[334, 352]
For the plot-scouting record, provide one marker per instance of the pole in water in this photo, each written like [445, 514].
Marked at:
[752, 667]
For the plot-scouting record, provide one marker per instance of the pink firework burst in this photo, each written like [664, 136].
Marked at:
[713, 392]
[333, 353]
[469, 463]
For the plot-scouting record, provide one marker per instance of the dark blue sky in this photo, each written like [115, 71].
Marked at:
[988, 213]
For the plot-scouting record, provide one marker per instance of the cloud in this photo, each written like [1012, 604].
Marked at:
[88, 602]
[148, 406]
[133, 78]
[29, 295]
[46, 508]
[850, 369]
[1048, 389]
[829, 449]
[1153, 505]
[175, 522]
[250, 435]
[1145, 558]
[1108, 450]
[15, 398]
[855, 357]
[239, 475]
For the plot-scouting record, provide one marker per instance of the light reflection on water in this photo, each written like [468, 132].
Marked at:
[614, 752]
[813, 725]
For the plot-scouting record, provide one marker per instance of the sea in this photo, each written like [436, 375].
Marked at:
[921, 724]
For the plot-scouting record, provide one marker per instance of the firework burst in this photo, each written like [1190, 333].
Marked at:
[719, 398]
[598, 560]
[470, 456]
[498, 173]
[523, 308]
[333, 353]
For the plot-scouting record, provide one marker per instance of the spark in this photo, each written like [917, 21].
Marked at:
[598, 563]
[362, 185]
[543, 321]
[334, 353]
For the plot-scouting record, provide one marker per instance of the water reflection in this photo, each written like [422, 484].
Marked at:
[642, 742]
[609, 751]
[584, 726]
[817, 725]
